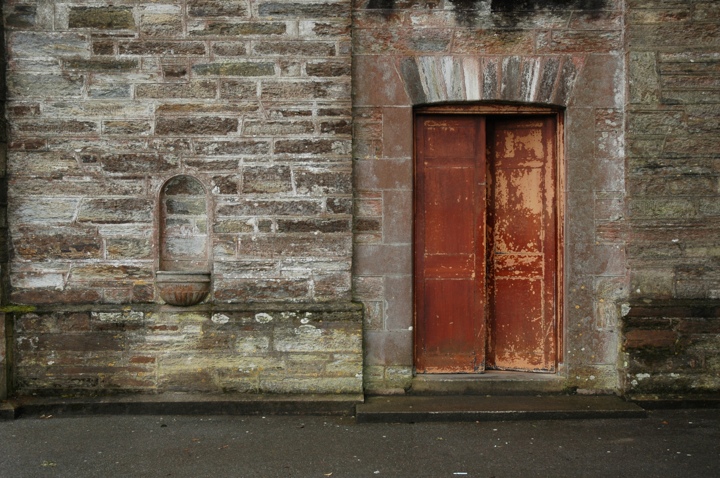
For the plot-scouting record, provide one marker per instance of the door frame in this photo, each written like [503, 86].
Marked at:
[509, 109]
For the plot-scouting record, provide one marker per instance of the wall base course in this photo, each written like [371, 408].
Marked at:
[672, 347]
[253, 348]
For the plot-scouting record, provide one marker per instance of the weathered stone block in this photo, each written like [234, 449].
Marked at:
[277, 128]
[305, 90]
[115, 211]
[42, 210]
[26, 85]
[160, 20]
[325, 68]
[136, 163]
[313, 225]
[254, 290]
[662, 208]
[267, 180]
[198, 89]
[101, 18]
[165, 48]
[218, 8]
[58, 243]
[239, 147]
[196, 125]
[303, 10]
[20, 17]
[229, 49]
[290, 207]
[243, 68]
[295, 245]
[312, 147]
[294, 48]
[317, 182]
[33, 44]
[650, 338]
[227, 29]
[311, 338]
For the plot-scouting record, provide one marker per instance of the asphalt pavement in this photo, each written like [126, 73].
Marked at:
[668, 443]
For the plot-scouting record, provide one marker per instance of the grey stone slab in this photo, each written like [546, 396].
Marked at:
[407, 409]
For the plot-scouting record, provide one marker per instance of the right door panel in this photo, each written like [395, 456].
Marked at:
[522, 244]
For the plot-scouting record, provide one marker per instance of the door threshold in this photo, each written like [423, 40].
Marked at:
[492, 382]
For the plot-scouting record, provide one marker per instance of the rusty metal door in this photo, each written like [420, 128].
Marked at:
[485, 243]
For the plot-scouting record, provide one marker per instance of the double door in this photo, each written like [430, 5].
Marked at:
[485, 237]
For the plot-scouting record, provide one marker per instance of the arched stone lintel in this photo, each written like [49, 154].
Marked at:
[547, 80]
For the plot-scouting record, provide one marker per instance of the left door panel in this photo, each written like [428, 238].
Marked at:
[450, 195]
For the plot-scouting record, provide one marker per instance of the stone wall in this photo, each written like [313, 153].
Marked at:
[4, 362]
[672, 347]
[673, 194]
[245, 348]
[107, 102]
[563, 53]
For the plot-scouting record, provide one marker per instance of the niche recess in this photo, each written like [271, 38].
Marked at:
[183, 277]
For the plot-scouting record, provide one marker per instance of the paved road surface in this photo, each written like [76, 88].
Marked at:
[667, 444]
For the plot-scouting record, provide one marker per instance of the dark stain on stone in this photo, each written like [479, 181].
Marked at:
[535, 5]
[507, 13]
[381, 4]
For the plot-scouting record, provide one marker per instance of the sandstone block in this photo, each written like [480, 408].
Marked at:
[101, 18]
[312, 147]
[303, 10]
[27, 85]
[160, 20]
[310, 338]
[255, 290]
[277, 128]
[198, 89]
[243, 68]
[48, 44]
[59, 243]
[165, 48]
[218, 8]
[313, 225]
[238, 147]
[196, 125]
[21, 17]
[294, 48]
[115, 211]
[321, 182]
[267, 180]
[295, 245]
[290, 207]
[128, 248]
[136, 163]
[232, 29]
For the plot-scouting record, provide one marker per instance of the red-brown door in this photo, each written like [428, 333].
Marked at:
[485, 243]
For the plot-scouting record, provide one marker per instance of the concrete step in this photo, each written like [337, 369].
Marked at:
[488, 383]
[410, 409]
[183, 404]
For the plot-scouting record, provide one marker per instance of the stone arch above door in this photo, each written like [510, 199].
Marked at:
[526, 79]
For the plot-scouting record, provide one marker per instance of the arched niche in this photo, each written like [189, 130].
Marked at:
[183, 277]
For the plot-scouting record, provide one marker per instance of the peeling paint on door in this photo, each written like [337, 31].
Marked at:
[485, 260]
